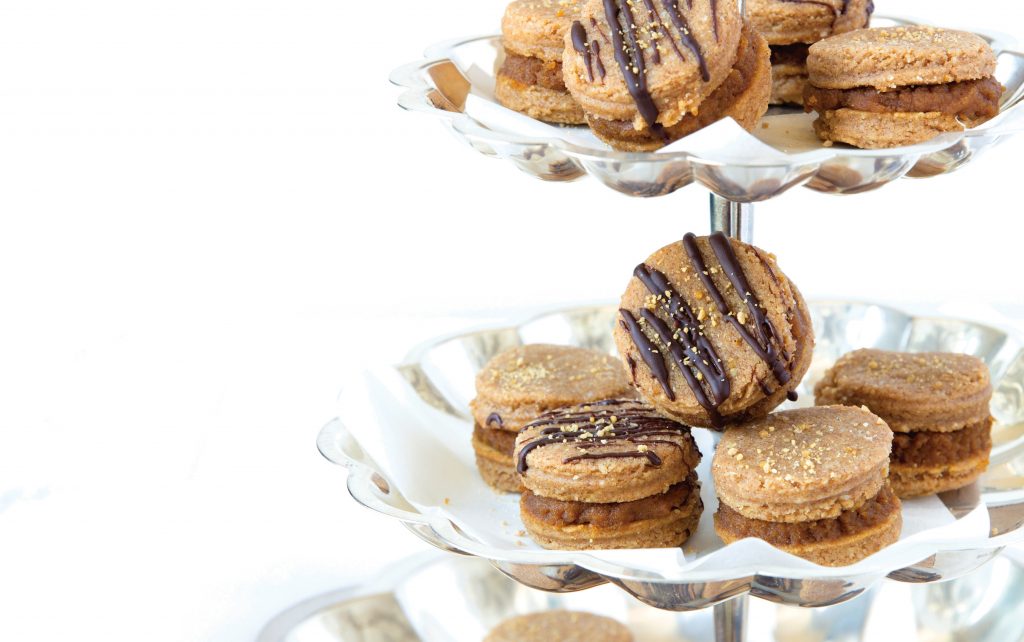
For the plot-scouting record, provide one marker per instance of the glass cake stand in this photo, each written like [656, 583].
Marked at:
[454, 83]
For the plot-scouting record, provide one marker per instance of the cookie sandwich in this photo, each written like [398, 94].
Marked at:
[518, 385]
[712, 332]
[609, 474]
[564, 626]
[886, 87]
[937, 404]
[530, 77]
[812, 482]
[648, 72]
[791, 26]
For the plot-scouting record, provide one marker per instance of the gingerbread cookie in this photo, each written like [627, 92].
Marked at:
[893, 86]
[712, 332]
[791, 26]
[936, 403]
[812, 482]
[518, 385]
[530, 78]
[610, 474]
[647, 73]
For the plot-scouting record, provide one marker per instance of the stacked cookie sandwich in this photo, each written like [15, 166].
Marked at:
[936, 403]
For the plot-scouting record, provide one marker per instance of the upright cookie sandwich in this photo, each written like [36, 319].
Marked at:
[791, 26]
[936, 403]
[530, 78]
[712, 332]
[648, 72]
[812, 482]
[518, 385]
[609, 474]
[877, 88]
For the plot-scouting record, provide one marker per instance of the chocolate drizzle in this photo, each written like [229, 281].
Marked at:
[579, 43]
[494, 418]
[683, 27]
[680, 331]
[595, 426]
[633, 56]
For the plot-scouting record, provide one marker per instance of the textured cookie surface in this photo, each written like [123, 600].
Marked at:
[912, 391]
[802, 465]
[518, 385]
[848, 538]
[712, 332]
[564, 626]
[650, 63]
[784, 22]
[743, 96]
[890, 57]
[537, 101]
[536, 28]
[611, 451]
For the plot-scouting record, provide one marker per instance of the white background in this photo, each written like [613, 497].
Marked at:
[210, 210]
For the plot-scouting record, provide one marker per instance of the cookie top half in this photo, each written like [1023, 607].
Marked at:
[802, 465]
[518, 385]
[786, 22]
[536, 28]
[892, 57]
[712, 332]
[649, 61]
[616, 450]
[934, 391]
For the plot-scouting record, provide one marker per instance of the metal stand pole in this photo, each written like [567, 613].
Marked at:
[735, 220]
[731, 620]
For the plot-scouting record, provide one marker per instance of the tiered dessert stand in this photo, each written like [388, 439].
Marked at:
[440, 84]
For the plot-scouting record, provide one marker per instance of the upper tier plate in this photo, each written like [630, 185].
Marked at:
[455, 81]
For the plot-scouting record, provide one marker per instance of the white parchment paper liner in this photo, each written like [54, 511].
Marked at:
[427, 455]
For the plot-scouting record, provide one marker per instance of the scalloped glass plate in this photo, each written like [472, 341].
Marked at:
[440, 373]
[455, 81]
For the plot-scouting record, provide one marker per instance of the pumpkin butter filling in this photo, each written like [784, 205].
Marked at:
[504, 441]
[926, 448]
[564, 513]
[533, 71]
[971, 100]
[873, 512]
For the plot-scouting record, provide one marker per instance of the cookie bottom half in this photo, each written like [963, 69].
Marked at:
[494, 463]
[743, 95]
[565, 626]
[660, 521]
[846, 539]
[915, 481]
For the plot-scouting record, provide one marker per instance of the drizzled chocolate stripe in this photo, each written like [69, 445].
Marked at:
[768, 345]
[631, 60]
[602, 423]
[699, 353]
[683, 27]
[494, 418]
[579, 42]
[648, 352]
